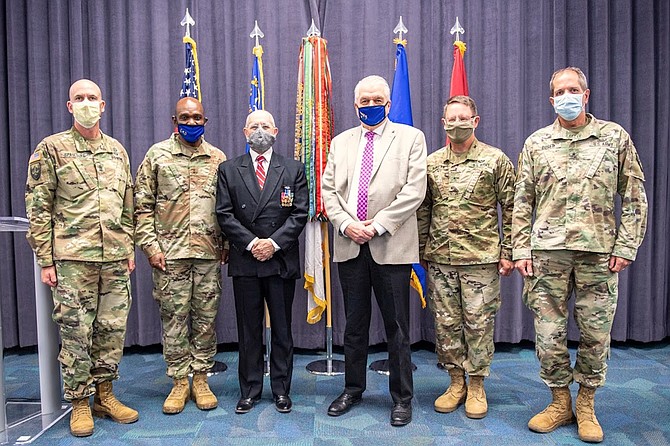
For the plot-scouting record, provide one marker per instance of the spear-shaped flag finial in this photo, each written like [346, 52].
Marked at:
[313, 30]
[457, 29]
[187, 21]
[256, 33]
[400, 29]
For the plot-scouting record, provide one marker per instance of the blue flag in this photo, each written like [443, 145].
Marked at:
[256, 97]
[256, 85]
[401, 112]
[401, 101]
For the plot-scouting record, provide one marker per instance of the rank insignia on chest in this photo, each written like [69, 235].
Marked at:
[286, 196]
[36, 170]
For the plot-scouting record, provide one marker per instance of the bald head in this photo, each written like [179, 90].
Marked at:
[260, 130]
[84, 86]
[259, 116]
[188, 103]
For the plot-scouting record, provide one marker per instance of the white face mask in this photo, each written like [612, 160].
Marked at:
[86, 113]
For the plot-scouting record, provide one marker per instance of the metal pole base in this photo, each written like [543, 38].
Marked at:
[329, 367]
[382, 367]
[266, 365]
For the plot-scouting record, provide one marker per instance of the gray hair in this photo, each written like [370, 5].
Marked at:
[374, 79]
[580, 75]
[264, 113]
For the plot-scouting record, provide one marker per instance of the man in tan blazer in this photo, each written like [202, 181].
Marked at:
[373, 184]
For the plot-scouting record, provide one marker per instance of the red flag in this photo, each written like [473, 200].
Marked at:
[459, 80]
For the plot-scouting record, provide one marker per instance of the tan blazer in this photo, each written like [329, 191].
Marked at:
[397, 188]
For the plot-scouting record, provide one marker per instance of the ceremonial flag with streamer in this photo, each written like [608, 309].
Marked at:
[190, 86]
[313, 133]
[401, 112]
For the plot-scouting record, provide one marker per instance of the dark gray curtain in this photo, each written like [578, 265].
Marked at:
[133, 50]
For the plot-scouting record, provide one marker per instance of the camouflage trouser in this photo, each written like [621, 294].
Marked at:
[188, 291]
[91, 304]
[464, 301]
[555, 275]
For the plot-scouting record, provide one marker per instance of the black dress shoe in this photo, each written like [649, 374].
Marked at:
[401, 414]
[343, 404]
[245, 405]
[283, 403]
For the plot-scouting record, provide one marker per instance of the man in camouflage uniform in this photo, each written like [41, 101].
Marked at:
[79, 202]
[568, 175]
[462, 251]
[177, 230]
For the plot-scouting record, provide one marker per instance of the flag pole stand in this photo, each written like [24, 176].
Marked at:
[328, 366]
[381, 366]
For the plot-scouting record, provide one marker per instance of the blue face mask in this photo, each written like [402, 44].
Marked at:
[372, 115]
[568, 106]
[191, 133]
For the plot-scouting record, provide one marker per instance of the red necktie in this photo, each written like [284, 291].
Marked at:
[260, 170]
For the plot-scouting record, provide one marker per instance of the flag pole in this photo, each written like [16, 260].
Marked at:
[257, 34]
[187, 22]
[328, 366]
[381, 366]
[333, 367]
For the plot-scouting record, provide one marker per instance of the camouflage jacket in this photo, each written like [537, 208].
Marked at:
[175, 195]
[458, 219]
[79, 199]
[569, 180]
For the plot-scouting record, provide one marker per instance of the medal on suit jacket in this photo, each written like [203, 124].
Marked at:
[286, 196]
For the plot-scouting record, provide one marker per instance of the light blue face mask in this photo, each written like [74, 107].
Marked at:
[568, 106]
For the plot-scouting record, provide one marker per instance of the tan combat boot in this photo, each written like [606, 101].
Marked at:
[201, 394]
[105, 404]
[178, 396]
[557, 413]
[587, 424]
[475, 405]
[81, 421]
[455, 394]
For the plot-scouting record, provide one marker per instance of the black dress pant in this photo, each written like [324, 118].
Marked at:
[390, 283]
[250, 293]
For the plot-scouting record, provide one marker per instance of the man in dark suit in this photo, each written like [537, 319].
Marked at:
[373, 184]
[261, 206]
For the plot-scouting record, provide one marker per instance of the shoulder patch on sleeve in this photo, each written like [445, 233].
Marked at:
[37, 156]
[35, 171]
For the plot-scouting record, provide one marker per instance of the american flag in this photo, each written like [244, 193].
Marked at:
[190, 86]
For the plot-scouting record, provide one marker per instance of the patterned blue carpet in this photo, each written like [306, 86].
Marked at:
[634, 406]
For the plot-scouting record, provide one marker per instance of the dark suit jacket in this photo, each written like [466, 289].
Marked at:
[245, 212]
